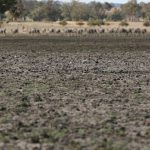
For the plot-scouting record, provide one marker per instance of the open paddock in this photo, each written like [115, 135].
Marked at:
[75, 93]
[48, 27]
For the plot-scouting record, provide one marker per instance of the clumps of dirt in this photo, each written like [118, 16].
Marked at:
[74, 93]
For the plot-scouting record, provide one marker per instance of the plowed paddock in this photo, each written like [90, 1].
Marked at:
[90, 93]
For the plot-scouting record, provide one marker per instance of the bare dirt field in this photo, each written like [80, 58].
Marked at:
[75, 93]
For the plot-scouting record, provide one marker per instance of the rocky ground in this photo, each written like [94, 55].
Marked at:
[69, 93]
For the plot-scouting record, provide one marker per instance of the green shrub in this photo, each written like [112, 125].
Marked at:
[107, 23]
[115, 17]
[63, 23]
[123, 23]
[96, 22]
[146, 23]
[80, 23]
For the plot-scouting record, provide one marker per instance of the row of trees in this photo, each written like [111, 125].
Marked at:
[52, 10]
[132, 10]
[15, 7]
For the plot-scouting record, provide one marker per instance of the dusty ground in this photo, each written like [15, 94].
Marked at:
[68, 93]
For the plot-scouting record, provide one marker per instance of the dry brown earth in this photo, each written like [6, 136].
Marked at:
[69, 93]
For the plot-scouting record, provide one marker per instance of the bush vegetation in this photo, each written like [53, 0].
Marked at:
[63, 23]
[124, 23]
[51, 10]
[96, 22]
[146, 23]
[80, 23]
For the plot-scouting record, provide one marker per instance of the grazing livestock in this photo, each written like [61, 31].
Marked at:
[92, 31]
[130, 30]
[123, 30]
[34, 31]
[137, 31]
[15, 31]
[143, 31]
[70, 31]
[79, 31]
[57, 31]
[2, 31]
[111, 30]
[44, 31]
[101, 30]
[52, 30]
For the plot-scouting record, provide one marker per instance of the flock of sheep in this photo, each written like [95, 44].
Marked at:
[75, 31]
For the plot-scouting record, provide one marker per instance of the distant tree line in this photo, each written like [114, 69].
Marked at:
[52, 10]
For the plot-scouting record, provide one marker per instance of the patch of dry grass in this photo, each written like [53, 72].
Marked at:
[70, 24]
